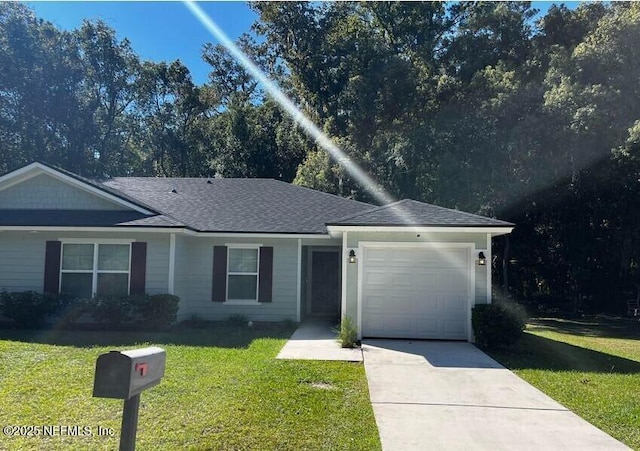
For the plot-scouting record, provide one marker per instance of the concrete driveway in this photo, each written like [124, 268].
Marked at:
[451, 396]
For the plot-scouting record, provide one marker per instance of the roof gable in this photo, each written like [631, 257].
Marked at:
[41, 187]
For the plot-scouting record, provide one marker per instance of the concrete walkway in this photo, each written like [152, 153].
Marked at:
[315, 340]
[451, 396]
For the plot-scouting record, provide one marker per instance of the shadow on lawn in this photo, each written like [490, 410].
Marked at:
[221, 335]
[594, 326]
[535, 352]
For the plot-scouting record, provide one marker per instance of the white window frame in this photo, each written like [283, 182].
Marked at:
[95, 271]
[255, 247]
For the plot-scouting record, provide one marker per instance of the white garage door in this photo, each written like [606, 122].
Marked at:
[415, 292]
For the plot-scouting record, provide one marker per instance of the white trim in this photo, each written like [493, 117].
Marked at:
[94, 271]
[472, 289]
[95, 241]
[471, 282]
[360, 264]
[172, 264]
[495, 231]
[35, 169]
[115, 229]
[255, 235]
[241, 302]
[255, 247]
[177, 230]
[425, 245]
[489, 266]
[243, 245]
[343, 303]
[299, 282]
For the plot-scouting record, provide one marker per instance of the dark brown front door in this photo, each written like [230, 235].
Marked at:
[325, 283]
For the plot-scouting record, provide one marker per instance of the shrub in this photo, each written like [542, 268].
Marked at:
[157, 310]
[112, 310]
[28, 309]
[237, 320]
[347, 333]
[71, 309]
[497, 325]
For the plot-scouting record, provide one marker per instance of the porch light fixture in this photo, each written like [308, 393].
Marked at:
[482, 260]
[352, 256]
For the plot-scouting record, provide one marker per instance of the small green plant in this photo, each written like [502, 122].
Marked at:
[28, 309]
[347, 333]
[497, 325]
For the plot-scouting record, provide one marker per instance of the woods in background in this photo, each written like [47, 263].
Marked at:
[477, 106]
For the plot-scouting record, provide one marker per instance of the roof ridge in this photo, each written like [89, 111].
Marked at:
[323, 192]
[373, 210]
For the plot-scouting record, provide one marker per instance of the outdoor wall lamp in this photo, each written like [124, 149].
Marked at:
[352, 256]
[482, 260]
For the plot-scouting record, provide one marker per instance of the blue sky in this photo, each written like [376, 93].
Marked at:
[158, 31]
[164, 31]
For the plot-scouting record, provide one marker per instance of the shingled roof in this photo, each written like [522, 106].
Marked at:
[234, 206]
[413, 213]
[238, 205]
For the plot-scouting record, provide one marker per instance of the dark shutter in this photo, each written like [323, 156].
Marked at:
[52, 267]
[137, 284]
[219, 292]
[265, 274]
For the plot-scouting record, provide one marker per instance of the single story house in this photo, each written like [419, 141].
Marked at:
[261, 248]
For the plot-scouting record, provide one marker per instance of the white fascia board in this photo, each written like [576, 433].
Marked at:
[89, 229]
[494, 231]
[175, 230]
[35, 169]
[20, 175]
[255, 235]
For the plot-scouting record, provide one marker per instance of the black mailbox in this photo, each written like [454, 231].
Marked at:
[122, 375]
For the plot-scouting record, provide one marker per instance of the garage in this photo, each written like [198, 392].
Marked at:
[414, 291]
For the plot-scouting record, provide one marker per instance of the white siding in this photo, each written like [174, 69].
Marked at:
[194, 270]
[46, 192]
[21, 261]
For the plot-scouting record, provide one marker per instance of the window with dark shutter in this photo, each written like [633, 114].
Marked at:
[138, 284]
[219, 292]
[52, 267]
[265, 283]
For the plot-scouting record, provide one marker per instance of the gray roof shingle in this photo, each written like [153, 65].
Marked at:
[238, 205]
[413, 213]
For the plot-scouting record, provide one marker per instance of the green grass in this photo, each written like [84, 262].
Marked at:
[590, 366]
[223, 389]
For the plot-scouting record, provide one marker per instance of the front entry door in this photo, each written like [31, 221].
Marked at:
[325, 283]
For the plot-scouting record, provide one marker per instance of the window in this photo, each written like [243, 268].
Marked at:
[95, 268]
[242, 274]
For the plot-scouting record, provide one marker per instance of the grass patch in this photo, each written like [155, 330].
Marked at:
[223, 389]
[590, 366]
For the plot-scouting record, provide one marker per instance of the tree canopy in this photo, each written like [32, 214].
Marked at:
[485, 107]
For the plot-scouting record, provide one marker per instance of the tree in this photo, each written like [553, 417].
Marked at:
[111, 69]
[41, 115]
[171, 115]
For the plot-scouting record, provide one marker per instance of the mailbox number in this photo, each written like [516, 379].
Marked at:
[142, 368]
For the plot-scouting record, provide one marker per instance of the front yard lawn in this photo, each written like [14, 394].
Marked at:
[223, 389]
[591, 366]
